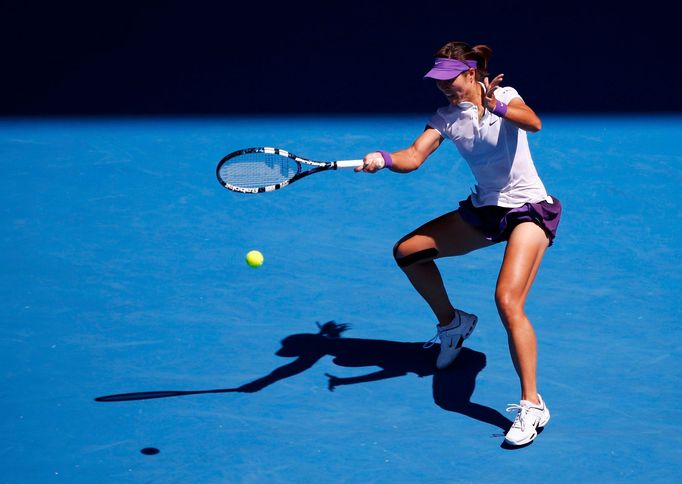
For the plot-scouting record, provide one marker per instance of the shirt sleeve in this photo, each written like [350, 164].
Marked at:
[506, 94]
[438, 123]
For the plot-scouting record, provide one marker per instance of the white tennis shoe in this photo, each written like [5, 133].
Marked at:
[529, 418]
[452, 336]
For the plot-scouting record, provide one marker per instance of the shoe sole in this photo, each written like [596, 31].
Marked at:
[523, 442]
[471, 330]
[473, 326]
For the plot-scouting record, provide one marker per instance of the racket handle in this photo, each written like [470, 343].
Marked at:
[348, 163]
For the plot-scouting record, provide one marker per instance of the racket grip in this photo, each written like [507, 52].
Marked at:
[349, 163]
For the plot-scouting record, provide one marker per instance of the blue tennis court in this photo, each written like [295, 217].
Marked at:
[123, 272]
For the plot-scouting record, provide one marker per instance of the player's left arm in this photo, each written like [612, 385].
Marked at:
[519, 113]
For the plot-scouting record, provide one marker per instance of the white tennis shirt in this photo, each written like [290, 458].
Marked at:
[496, 150]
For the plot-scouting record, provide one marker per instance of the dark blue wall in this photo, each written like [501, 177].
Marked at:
[328, 56]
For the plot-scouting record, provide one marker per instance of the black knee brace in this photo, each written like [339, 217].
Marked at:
[415, 257]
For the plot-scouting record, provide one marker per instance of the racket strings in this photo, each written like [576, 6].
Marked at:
[255, 170]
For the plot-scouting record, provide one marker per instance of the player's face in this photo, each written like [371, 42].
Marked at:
[457, 89]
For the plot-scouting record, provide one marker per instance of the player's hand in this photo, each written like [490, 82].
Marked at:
[489, 100]
[372, 162]
[334, 381]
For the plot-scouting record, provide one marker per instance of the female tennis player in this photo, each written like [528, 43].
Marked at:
[488, 125]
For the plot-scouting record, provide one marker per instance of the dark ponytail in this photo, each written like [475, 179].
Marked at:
[462, 51]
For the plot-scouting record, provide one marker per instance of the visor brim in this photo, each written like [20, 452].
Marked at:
[443, 74]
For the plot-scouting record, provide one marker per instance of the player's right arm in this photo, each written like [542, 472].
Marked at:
[409, 159]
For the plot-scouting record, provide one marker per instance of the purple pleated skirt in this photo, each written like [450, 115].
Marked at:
[497, 223]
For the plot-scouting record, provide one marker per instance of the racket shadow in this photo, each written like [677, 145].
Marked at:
[452, 388]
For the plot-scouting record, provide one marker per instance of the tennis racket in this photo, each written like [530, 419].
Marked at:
[259, 170]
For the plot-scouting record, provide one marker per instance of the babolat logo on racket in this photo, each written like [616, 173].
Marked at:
[265, 169]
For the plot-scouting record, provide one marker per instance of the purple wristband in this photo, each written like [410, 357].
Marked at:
[388, 161]
[500, 108]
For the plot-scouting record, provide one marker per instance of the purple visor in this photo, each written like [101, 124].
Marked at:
[444, 69]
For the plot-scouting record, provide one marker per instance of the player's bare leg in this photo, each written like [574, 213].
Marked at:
[524, 252]
[445, 236]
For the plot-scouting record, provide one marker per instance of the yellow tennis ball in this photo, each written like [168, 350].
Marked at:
[254, 258]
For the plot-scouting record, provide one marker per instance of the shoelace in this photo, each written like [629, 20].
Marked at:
[432, 341]
[520, 420]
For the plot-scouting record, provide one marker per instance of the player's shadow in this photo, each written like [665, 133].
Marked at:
[452, 388]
